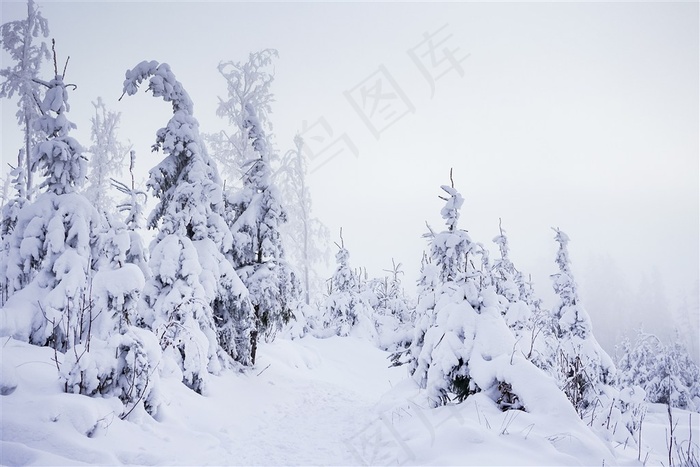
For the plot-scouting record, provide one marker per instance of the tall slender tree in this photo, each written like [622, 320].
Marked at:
[22, 40]
[305, 236]
[256, 213]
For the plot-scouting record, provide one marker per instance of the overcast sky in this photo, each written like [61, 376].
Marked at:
[582, 116]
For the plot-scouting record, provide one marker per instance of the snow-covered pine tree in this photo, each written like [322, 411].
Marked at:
[256, 214]
[346, 311]
[462, 344]
[530, 324]
[52, 244]
[439, 353]
[107, 155]
[197, 304]
[585, 369]
[305, 237]
[22, 41]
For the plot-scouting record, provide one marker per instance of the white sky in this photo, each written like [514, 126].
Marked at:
[580, 115]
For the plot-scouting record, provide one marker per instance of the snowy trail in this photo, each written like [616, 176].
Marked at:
[308, 426]
[300, 410]
[306, 416]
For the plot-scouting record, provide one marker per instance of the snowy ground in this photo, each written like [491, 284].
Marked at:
[309, 402]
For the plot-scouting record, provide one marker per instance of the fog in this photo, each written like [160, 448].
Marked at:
[581, 116]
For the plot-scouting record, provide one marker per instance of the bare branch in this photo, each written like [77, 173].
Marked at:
[65, 66]
[53, 49]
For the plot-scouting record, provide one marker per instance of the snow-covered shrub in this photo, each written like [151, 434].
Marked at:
[123, 365]
[8, 379]
[393, 311]
[116, 358]
[666, 372]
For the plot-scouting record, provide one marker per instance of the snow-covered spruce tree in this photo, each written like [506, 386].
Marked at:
[462, 344]
[22, 41]
[195, 301]
[255, 212]
[346, 311]
[107, 155]
[444, 311]
[52, 244]
[585, 369]
[530, 324]
[305, 237]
